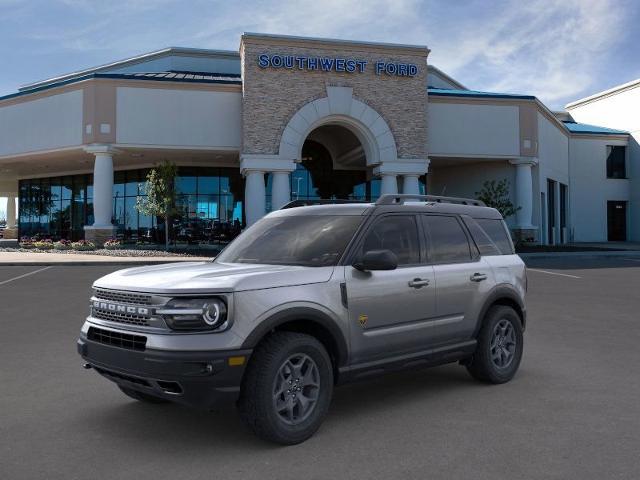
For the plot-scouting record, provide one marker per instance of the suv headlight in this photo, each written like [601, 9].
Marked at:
[195, 314]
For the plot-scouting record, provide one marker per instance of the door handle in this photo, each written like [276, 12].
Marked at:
[418, 283]
[478, 277]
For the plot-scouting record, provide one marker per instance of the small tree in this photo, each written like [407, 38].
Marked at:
[496, 195]
[160, 200]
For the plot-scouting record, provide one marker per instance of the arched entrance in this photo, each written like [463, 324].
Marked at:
[333, 165]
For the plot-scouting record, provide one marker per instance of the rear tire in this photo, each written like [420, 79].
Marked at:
[500, 345]
[287, 388]
[140, 396]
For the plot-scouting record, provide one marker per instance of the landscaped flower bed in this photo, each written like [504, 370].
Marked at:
[113, 244]
[83, 245]
[62, 245]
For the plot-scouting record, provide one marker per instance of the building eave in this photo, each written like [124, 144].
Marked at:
[603, 94]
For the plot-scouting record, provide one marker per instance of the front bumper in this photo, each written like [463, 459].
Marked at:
[196, 379]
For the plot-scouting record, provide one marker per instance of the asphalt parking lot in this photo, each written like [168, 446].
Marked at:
[572, 412]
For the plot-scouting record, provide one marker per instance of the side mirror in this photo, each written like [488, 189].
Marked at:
[377, 260]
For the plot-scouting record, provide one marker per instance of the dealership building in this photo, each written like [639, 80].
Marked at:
[306, 118]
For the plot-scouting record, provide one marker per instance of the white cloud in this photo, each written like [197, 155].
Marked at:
[554, 49]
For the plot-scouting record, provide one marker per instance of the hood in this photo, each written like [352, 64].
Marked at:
[205, 277]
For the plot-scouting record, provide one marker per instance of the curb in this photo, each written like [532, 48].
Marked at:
[587, 254]
[90, 263]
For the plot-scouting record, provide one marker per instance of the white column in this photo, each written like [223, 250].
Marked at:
[389, 183]
[254, 196]
[103, 189]
[411, 184]
[280, 190]
[524, 192]
[11, 211]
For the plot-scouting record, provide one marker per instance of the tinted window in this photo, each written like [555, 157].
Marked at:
[447, 240]
[485, 245]
[310, 241]
[396, 233]
[616, 167]
[498, 233]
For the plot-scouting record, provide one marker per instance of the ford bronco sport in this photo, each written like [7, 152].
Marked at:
[311, 297]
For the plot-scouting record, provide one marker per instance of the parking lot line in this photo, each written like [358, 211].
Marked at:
[25, 275]
[552, 273]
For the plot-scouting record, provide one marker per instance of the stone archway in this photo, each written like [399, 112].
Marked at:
[340, 108]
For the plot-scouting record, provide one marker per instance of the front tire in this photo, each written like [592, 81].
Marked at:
[500, 346]
[287, 388]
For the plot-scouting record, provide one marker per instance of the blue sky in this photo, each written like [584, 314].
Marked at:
[557, 50]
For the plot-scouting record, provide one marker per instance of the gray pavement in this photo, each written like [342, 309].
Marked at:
[572, 412]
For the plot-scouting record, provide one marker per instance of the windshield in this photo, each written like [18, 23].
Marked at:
[310, 241]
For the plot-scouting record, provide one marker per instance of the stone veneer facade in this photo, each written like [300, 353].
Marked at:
[272, 96]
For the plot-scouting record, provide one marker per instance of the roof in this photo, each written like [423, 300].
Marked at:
[171, 76]
[575, 127]
[475, 93]
[433, 69]
[145, 57]
[604, 93]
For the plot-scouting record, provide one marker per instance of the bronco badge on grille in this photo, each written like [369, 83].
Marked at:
[117, 308]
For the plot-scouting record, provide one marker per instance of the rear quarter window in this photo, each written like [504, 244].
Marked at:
[498, 233]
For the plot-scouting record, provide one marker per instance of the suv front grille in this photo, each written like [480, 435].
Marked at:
[123, 297]
[117, 339]
[128, 318]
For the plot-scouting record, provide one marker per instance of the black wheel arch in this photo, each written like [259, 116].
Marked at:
[305, 320]
[503, 295]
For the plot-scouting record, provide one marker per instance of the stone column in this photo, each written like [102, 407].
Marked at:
[102, 228]
[253, 167]
[11, 211]
[254, 196]
[11, 232]
[280, 190]
[411, 184]
[524, 197]
[389, 183]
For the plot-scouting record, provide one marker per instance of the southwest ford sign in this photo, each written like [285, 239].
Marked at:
[334, 64]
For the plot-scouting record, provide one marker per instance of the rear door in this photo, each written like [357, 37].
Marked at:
[389, 310]
[462, 277]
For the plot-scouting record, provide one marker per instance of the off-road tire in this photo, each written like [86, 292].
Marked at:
[141, 396]
[257, 396]
[483, 365]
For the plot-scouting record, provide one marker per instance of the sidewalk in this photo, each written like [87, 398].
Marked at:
[33, 258]
[590, 253]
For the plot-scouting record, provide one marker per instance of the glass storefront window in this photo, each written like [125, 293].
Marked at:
[210, 206]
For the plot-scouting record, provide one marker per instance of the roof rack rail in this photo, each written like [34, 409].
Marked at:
[320, 201]
[393, 199]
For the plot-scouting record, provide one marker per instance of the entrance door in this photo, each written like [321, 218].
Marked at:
[390, 310]
[617, 221]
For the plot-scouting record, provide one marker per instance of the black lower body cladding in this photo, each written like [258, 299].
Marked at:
[196, 379]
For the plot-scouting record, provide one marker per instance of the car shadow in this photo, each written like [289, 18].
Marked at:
[184, 431]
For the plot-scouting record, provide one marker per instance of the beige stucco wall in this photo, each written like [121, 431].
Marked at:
[272, 96]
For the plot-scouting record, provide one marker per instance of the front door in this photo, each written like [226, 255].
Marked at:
[389, 310]
[617, 221]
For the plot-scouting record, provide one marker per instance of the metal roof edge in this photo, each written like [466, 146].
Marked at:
[122, 76]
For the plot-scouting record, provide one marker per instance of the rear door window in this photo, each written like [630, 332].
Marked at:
[448, 243]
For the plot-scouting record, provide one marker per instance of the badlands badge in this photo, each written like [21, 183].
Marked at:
[362, 319]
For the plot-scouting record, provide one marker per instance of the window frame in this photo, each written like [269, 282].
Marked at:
[474, 253]
[608, 150]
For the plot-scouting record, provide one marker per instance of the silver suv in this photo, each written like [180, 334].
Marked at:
[311, 297]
